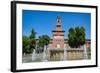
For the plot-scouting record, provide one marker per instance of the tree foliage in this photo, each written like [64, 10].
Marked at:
[43, 40]
[32, 39]
[76, 37]
[26, 43]
[29, 43]
[33, 33]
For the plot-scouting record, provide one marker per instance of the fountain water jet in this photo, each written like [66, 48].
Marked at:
[65, 53]
[85, 52]
[33, 55]
[45, 54]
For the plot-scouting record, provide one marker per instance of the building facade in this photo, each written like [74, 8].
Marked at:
[58, 41]
[58, 35]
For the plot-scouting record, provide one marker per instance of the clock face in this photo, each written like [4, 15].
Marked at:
[58, 37]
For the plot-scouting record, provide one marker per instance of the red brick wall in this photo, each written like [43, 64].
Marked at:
[58, 41]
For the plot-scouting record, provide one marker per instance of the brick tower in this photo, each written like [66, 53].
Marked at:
[58, 35]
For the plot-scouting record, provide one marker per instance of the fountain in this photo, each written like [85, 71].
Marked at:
[65, 53]
[45, 54]
[34, 55]
[85, 52]
[37, 56]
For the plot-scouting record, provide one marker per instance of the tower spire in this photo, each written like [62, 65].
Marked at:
[58, 20]
[58, 35]
[58, 25]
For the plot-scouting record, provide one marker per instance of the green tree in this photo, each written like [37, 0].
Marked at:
[76, 37]
[33, 34]
[32, 40]
[26, 43]
[43, 40]
[29, 43]
[82, 36]
[71, 37]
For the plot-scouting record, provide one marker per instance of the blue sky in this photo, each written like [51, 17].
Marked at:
[45, 21]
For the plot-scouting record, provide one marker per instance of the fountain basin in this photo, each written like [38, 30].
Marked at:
[71, 54]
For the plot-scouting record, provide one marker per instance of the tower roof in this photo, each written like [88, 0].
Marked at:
[58, 24]
[58, 30]
[58, 20]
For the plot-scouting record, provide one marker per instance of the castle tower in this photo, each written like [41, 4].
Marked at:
[58, 35]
